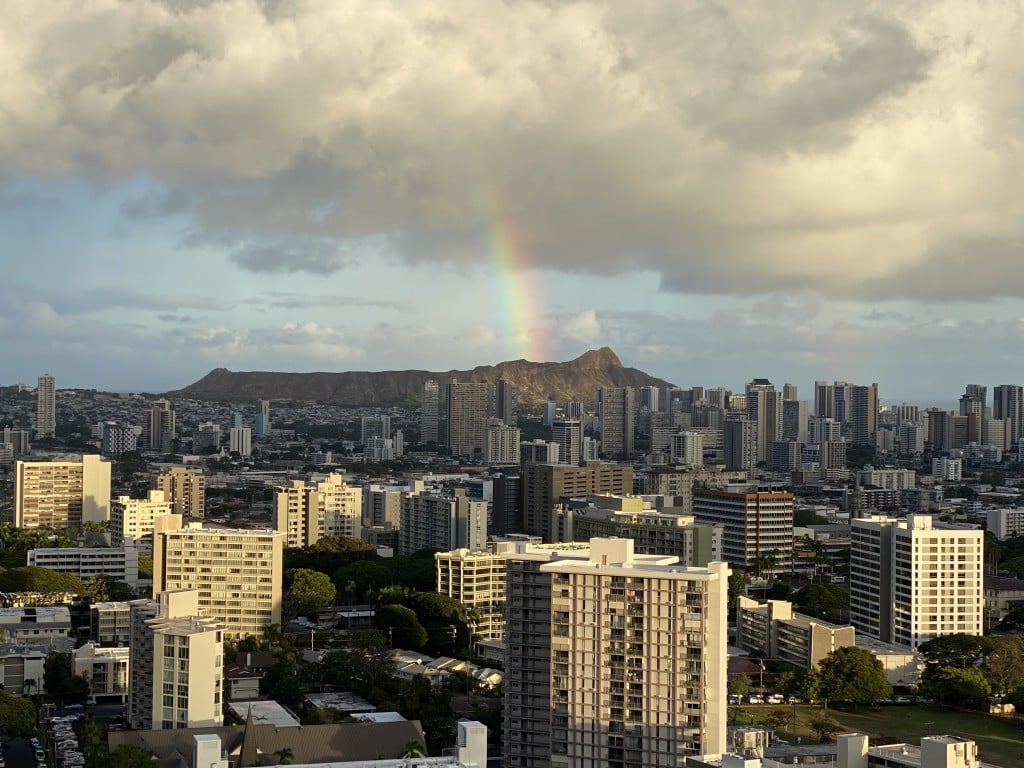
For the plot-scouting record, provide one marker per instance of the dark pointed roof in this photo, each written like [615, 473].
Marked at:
[249, 754]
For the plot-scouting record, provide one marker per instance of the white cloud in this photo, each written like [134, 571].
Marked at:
[867, 151]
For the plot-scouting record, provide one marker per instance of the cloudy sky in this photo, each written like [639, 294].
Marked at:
[716, 190]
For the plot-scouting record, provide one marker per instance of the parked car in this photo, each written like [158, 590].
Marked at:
[793, 700]
[755, 699]
[776, 698]
[734, 699]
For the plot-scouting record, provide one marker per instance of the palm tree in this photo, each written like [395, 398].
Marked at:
[765, 561]
[414, 749]
[284, 755]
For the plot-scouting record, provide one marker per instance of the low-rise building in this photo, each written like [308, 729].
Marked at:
[110, 623]
[774, 629]
[903, 666]
[119, 563]
[1005, 522]
[46, 626]
[106, 669]
[1001, 597]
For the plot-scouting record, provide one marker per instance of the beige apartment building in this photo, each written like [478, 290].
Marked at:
[614, 658]
[477, 580]
[912, 580]
[238, 573]
[307, 513]
[186, 490]
[653, 531]
[775, 630]
[131, 520]
[61, 494]
[176, 664]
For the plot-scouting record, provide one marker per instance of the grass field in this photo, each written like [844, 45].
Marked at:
[999, 741]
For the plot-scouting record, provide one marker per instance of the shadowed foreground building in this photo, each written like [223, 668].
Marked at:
[614, 659]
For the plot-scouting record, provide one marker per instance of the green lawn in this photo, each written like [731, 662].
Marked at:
[998, 740]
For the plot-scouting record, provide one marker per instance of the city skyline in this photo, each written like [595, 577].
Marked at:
[356, 187]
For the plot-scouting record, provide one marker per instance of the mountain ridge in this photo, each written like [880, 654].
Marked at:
[577, 379]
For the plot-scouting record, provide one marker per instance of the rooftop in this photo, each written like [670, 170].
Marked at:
[265, 713]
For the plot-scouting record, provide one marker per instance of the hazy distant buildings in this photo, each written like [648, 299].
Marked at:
[117, 439]
[687, 448]
[46, 406]
[61, 494]
[206, 438]
[506, 398]
[863, 414]
[374, 426]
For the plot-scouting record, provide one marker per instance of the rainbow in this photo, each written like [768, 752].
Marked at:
[519, 295]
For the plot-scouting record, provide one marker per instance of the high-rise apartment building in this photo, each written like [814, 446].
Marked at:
[739, 437]
[18, 439]
[206, 438]
[131, 520]
[430, 412]
[863, 414]
[545, 485]
[186, 490]
[435, 519]
[176, 664]
[238, 572]
[911, 581]
[374, 426]
[614, 658]
[650, 398]
[382, 505]
[469, 407]
[306, 513]
[758, 522]
[263, 418]
[61, 494]
[506, 401]
[161, 428]
[789, 391]
[764, 410]
[653, 531]
[500, 443]
[539, 451]
[824, 429]
[568, 433]
[46, 406]
[617, 408]
[824, 399]
[1008, 405]
[240, 441]
[794, 420]
[687, 448]
[477, 580]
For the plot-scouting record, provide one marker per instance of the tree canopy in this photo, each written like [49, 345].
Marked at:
[958, 687]
[36, 579]
[17, 715]
[401, 626]
[853, 674]
[1004, 665]
[823, 601]
[307, 592]
[959, 650]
